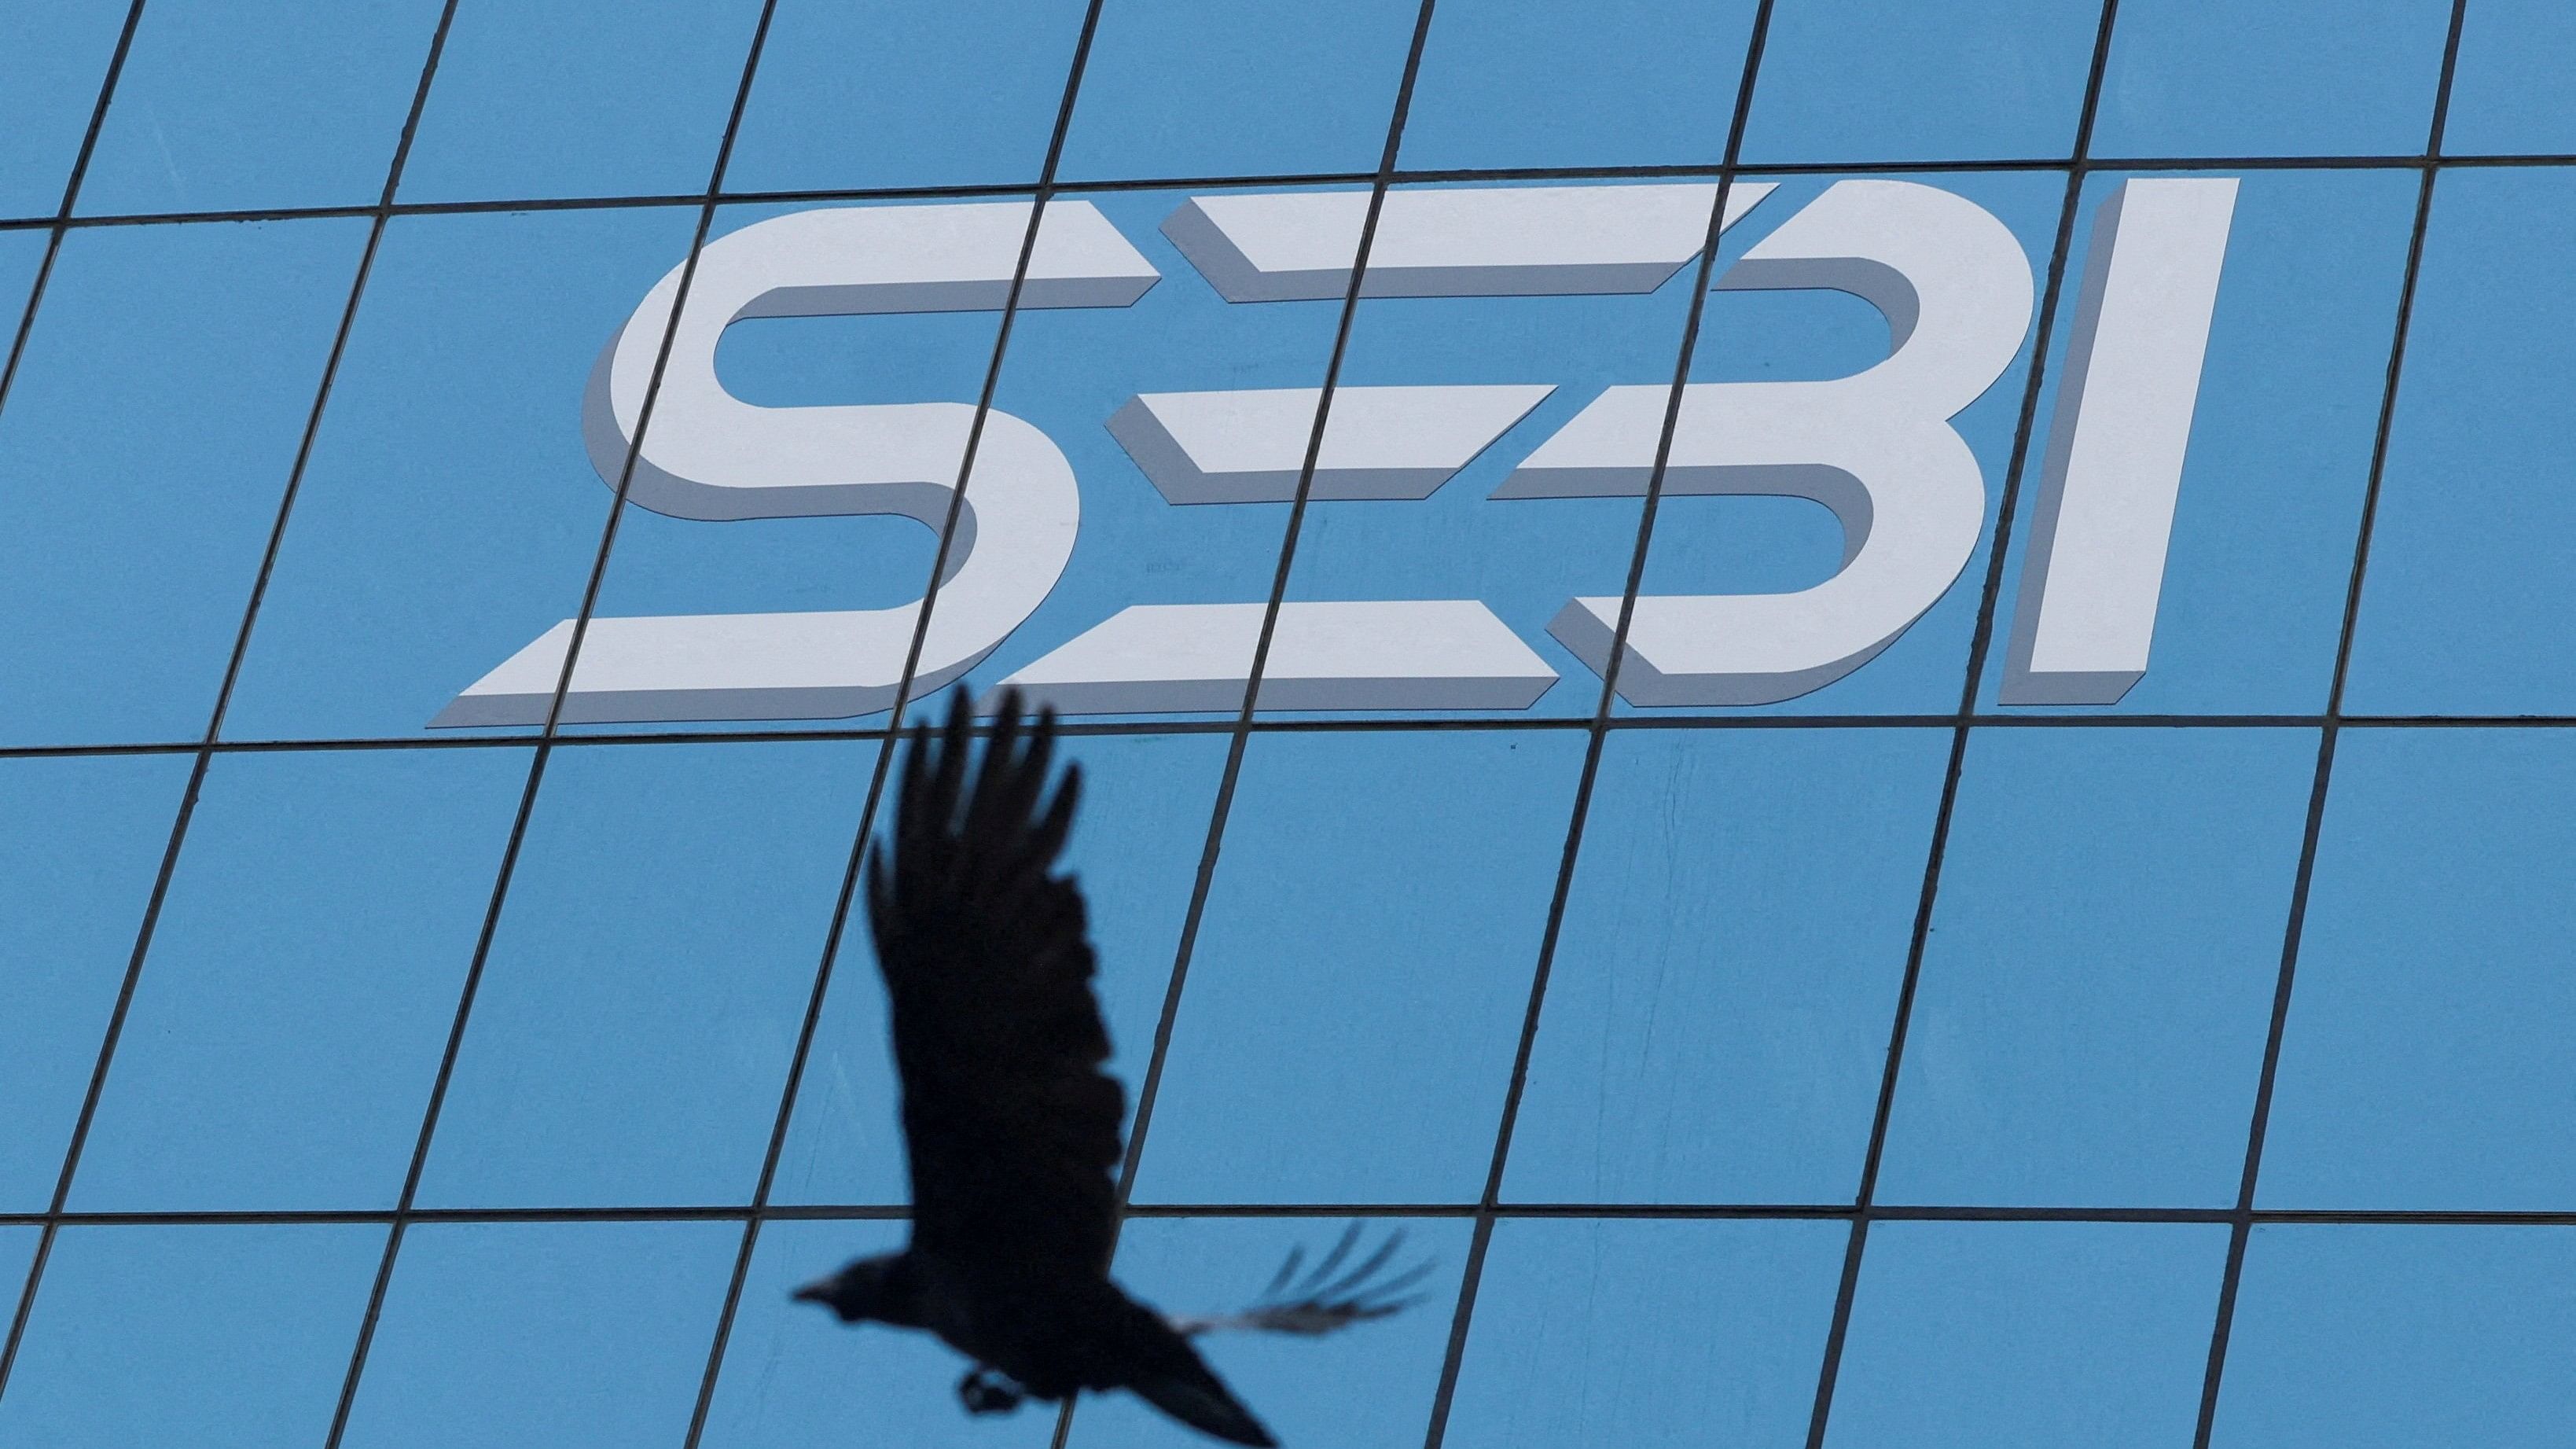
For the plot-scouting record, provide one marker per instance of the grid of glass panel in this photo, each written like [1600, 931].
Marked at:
[1890, 1065]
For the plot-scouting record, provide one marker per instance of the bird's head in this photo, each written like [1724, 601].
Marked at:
[867, 1288]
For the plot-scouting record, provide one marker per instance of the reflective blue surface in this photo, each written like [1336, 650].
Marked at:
[2272, 78]
[2400, 1335]
[1718, 1013]
[1574, 1342]
[303, 976]
[81, 841]
[881, 93]
[53, 61]
[449, 514]
[2099, 903]
[2506, 96]
[148, 441]
[227, 106]
[542, 98]
[1978, 1335]
[1566, 83]
[1369, 939]
[631, 1035]
[236, 1335]
[2464, 611]
[2095, 994]
[2426, 1057]
[1860, 81]
[502, 1334]
[1257, 88]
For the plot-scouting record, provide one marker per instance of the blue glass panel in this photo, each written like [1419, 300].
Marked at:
[2260, 556]
[229, 105]
[1069, 369]
[544, 1333]
[1368, 940]
[450, 514]
[1368, 1387]
[1753, 544]
[2098, 985]
[220, 1336]
[1859, 81]
[632, 1031]
[1523, 557]
[81, 842]
[2400, 1335]
[302, 981]
[1576, 83]
[21, 254]
[1642, 1335]
[1717, 1017]
[2000, 1335]
[1255, 88]
[17, 1250]
[2426, 1063]
[2508, 89]
[52, 60]
[1136, 847]
[2272, 78]
[664, 565]
[2466, 597]
[794, 1375]
[888, 94]
[630, 99]
[154, 421]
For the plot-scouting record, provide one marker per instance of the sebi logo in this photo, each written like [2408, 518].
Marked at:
[1877, 448]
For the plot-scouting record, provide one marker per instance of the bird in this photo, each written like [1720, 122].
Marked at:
[1011, 1126]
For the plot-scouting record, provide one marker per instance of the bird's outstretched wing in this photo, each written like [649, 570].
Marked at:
[1010, 1125]
[1320, 1302]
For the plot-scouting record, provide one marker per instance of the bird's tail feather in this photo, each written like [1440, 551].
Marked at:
[1202, 1402]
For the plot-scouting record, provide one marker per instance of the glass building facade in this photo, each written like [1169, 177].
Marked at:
[1958, 1034]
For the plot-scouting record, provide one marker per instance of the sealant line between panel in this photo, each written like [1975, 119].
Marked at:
[1388, 1211]
[1837, 1333]
[2243, 1218]
[1467, 175]
[404, 1203]
[125, 992]
[1480, 1239]
[891, 736]
[1417, 724]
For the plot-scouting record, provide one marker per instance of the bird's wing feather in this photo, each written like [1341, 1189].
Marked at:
[1011, 1127]
[1319, 1303]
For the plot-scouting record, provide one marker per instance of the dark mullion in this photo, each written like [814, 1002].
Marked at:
[1276, 724]
[169, 856]
[1148, 1090]
[1597, 732]
[1461, 175]
[404, 1212]
[1838, 1332]
[1396, 1211]
[2244, 1217]
[890, 734]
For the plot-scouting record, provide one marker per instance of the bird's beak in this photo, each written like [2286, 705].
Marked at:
[818, 1291]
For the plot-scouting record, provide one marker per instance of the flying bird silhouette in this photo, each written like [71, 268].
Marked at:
[1010, 1126]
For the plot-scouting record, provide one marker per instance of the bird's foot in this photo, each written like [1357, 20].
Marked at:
[984, 1391]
